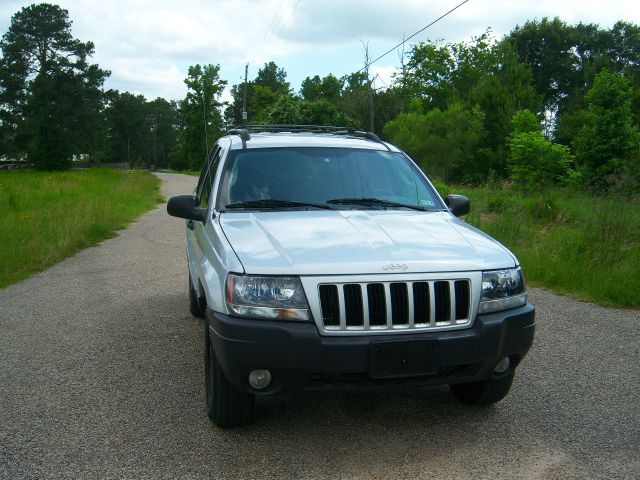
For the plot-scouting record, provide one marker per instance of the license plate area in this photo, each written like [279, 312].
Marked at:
[403, 358]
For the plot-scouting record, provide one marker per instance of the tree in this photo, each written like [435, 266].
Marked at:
[565, 59]
[524, 121]
[273, 77]
[128, 127]
[443, 142]
[427, 75]
[261, 100]
[439, 74]
[139, 132]
[289, 109]
[327, 88]
[200, 116]
[609, 141]
[547, 47]
[50, 96]
[534, 162]
[480, 75]
[262, 93]
[354, 101]
[162, 119]
[499, 95]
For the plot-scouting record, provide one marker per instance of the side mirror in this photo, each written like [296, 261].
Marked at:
[186, 206]
[458, 204]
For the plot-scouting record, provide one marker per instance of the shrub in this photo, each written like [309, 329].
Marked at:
[524, 121]
[535, 163]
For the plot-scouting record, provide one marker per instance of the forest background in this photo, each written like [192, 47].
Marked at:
[539, 128]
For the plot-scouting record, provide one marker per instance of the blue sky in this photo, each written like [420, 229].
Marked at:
[149, 44]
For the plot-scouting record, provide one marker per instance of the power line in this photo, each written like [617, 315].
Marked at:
[410, 37]
[275, 23]
[272, 36]
[283, 26]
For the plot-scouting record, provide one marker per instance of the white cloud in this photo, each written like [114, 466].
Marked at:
[141, 75]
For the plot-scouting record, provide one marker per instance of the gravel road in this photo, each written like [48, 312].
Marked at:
[101, 376]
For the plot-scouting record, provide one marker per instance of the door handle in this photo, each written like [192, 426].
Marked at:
[190, 224]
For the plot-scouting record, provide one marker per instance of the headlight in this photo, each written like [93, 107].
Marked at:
[502, 289]
[266, 297]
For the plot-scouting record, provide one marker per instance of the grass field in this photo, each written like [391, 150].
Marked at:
[46, 217]
[583, 245]
[574, 243]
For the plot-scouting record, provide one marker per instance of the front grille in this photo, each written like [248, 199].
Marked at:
[377, 305]
[395, 305]
[330, 308]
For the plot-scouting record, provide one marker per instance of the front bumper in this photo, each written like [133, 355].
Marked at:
[301, 359]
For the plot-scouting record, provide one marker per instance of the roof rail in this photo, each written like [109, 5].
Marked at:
[368, 135]
[293, 128]
[245, 130]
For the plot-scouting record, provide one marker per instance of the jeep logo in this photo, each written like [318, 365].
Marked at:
[395, 266]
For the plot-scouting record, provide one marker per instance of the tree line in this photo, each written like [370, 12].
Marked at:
[549, 103]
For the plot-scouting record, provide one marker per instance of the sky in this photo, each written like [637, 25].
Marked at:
[148, 45]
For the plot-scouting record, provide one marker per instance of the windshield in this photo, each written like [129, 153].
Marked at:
[280, 178]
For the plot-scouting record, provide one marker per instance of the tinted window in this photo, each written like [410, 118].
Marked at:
[322, 174]
[205, 184]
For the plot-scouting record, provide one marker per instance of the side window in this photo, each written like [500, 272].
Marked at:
[206, 184]
[204, 193]
[203, 174]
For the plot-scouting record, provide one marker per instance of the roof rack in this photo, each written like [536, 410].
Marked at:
[245, 130]
[293, 128]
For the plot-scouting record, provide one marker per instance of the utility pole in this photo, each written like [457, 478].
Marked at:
[244, 96]
[155, 146]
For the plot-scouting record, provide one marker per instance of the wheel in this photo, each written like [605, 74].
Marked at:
[484, 392]
[226, 406]
[196, 305]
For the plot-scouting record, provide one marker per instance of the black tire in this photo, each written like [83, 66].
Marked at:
[226, 406]
[196, 305]
[484, 392]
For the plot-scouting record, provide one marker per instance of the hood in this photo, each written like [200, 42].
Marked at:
[359, 242]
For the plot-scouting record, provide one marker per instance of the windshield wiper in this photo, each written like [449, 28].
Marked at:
[373, 202]
[276, 203]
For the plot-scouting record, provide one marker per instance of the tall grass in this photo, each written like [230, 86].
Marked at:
[586, 246]
[46, 217]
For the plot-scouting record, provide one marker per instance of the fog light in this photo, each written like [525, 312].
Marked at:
[502, 366]
[260, 379]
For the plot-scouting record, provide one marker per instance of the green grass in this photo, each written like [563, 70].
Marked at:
[46, 217]
[574, 243]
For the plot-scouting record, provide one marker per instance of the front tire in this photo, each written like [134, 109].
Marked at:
[484, 392]
[226, 406]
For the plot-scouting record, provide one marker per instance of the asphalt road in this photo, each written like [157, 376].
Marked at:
[101, 376]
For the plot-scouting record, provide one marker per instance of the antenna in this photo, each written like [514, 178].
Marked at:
[204, 119]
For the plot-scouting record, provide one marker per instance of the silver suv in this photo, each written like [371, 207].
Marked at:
[324, 259]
